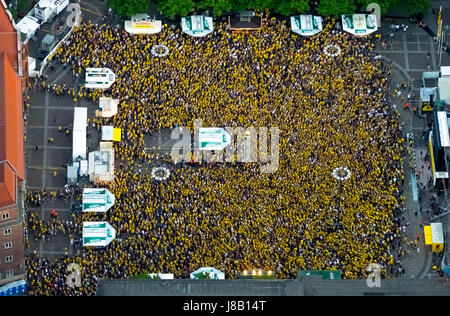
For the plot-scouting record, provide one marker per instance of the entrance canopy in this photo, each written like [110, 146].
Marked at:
[197, 25]
[97, 200]
[359, 24]
[97, 234]
[306, 25]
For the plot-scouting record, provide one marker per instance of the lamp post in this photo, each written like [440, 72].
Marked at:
[160, 51]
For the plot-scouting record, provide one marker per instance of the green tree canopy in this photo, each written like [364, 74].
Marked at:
[289, 7]
[417, 6]
[173, 8]
[336, 7]
[217, 6]
[127, 8]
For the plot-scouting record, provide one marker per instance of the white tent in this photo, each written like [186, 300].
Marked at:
[142, 24]
[162, 276]
[99, 78]
[444, 89]
[97, 200]
[98, 234]
[107, 133]
[79, 133]
[197, 25]
[101, 163]
[213, 138]
[445, 71]
[213, 273]
[359, 24]
[28, 26]
[108, 106]
[306, 25]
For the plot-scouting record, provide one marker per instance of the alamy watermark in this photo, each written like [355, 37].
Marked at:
[74, 278]
[246, 145]
[374, 278]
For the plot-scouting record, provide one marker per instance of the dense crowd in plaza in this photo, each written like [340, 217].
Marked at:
[232, 216]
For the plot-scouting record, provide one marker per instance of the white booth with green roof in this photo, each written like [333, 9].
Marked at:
[197, 25]
[359, 24]
[213, 138]
[97, 200]
[306, 25]
[207, 273]
[97, 234]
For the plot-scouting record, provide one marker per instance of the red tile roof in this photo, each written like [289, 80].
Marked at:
[8, 37]
[11, 117]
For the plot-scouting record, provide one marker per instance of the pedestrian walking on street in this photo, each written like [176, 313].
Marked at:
[36, 148]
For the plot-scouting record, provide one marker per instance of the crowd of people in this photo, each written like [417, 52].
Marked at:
[332, 112]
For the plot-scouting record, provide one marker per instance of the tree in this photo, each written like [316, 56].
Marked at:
[173, 8]
[19, 8]
[127, 8]
[261, 5]
[217, 6]
[336, 7]
[417, 6]
[289, 7]
[203, 276]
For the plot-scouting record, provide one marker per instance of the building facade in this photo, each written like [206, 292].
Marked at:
[12, 165]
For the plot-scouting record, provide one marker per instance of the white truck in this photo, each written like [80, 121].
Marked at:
[43, 12]
[46, 10]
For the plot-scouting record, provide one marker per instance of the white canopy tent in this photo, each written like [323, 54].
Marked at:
[141, 23]
[99, 78]
[29, 25]
[444, 89]
[213, 273]
[79, 133]
[359, 24]
[197, 25]
[445, 71]
[98, 234]
[108, 106]
[213, 138]
[97, 200]
[306, 25]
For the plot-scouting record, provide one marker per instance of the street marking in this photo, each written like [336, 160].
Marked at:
[40, 188]
[47, 168]
[49, 208]
[414, 187]
[52, 108]
[90, 11]
[51, 147]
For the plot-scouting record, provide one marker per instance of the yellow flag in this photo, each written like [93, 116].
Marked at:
[439, 33]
